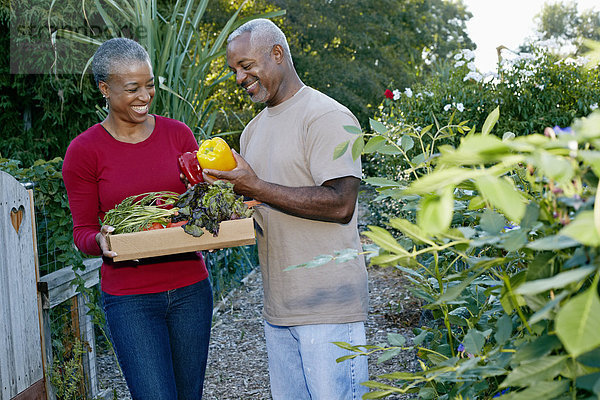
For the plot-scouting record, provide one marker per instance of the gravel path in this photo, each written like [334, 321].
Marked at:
[237, 365]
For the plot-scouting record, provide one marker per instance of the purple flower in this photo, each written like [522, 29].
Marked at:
[461, 348]
[563, 131]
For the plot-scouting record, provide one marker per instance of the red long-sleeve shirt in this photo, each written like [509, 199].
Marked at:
[100, 171]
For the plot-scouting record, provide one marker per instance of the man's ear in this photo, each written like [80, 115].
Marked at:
[278, 53]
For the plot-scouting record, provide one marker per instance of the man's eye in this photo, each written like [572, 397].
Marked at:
[247, 66]
[132, 90]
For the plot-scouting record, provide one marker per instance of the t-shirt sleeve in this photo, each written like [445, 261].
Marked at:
[324, 134]
[82, 190]
[187, 138]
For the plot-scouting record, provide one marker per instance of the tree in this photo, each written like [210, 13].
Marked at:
[565, 24]
[353, 49]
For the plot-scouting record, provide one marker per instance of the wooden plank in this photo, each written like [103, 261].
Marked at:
[20, 348]
[59, 282]
[48, 389]
[88, 339]
[37, 391]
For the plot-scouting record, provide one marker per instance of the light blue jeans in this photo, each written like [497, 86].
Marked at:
[302, 362]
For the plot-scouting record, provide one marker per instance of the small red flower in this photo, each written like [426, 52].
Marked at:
[388, 93]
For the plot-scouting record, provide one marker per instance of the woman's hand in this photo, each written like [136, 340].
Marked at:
[103, 242]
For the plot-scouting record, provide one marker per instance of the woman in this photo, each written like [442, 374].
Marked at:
[158, 310]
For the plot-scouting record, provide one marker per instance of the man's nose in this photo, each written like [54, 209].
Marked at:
[240, 76]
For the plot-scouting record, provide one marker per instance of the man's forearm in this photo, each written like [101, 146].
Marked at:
[334, 201]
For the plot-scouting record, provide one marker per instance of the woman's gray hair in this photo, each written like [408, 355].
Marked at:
[263, 33]
[115, 52]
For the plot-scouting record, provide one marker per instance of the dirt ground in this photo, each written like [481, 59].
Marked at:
[237, 365]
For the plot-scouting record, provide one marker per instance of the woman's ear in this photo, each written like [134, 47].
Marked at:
[103, 88]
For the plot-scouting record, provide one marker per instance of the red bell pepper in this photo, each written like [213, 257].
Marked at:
[189, 165]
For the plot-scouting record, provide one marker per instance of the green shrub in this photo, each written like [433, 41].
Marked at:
[502, 245]
[534, 91]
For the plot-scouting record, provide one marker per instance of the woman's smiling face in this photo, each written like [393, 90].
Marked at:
[130, 90]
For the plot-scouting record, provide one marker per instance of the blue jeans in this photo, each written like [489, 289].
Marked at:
[161, 340]
[302, 362]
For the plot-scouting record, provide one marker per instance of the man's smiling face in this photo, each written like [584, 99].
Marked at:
[253, 69]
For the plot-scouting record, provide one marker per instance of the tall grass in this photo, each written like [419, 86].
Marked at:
[181, 49]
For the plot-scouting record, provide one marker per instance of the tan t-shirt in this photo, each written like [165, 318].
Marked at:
[292, 144]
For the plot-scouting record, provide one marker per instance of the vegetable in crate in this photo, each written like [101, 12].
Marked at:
[215, 154]
[141, 212]
[206, 206]
[190, 167]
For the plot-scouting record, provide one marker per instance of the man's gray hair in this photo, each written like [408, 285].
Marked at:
[115, 52]
[263, 33]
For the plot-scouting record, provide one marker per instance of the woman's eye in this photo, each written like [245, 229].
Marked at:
[132, 90]
[247, 66]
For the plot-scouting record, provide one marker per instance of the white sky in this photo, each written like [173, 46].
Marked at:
[505, 22]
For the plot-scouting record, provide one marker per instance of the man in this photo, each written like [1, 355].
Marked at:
[308, 209]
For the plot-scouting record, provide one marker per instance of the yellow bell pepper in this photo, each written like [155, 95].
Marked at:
[215, 154]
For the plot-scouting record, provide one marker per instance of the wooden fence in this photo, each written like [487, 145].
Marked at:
[26, 300]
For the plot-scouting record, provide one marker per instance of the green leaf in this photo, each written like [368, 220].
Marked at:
[435, 212]
[554, 242]
[582, 229]
[532, 213]
[407, 143]
[540, 390]
[514, 240]
[340, 149]
[492, 222]
[473, 341]
[389, 149]
[503, 329]
[382, 182]
[476, 149]
[556, 282]
[557, 168]
[388, 354]
[396, 339]
[414, 232]
[480, 268]
[345, 255]
[502, 194]
[545, 368]
[355, 130]
[441, 178]
[577, 323]
[374, 144]
[544, 312]
[591, 358]
[385, 240]
[315, 262]
[490, 121]
[378, 126]
[418, 160]
[357, 147]
[536, 349]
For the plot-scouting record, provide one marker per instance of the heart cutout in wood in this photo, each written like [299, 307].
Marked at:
[16, 217]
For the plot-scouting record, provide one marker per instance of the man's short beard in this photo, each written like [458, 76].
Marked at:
[261, 96]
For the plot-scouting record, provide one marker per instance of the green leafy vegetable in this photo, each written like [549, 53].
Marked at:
[206, 206]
